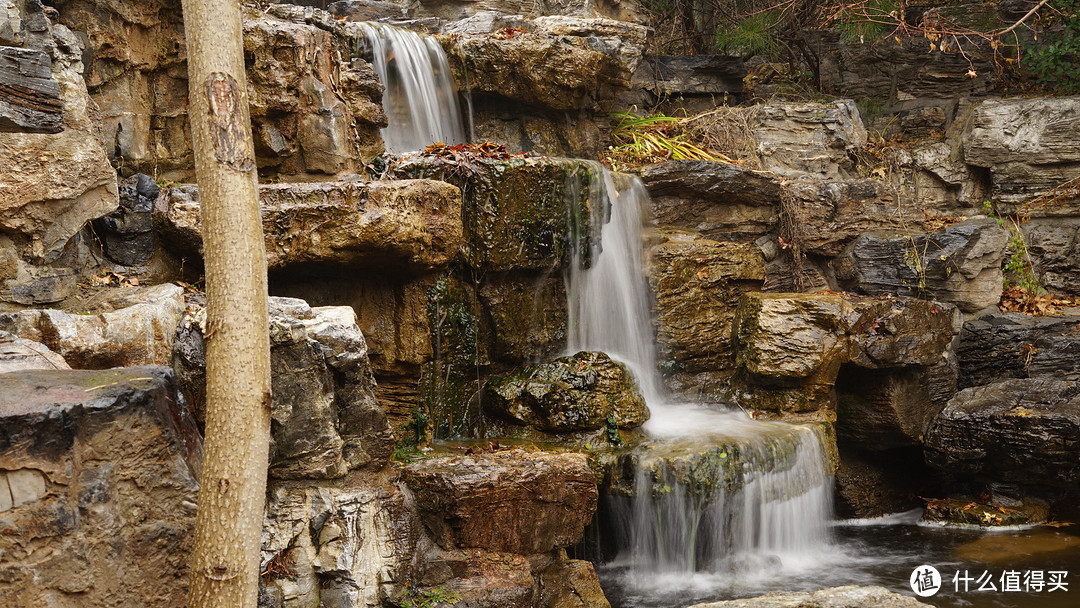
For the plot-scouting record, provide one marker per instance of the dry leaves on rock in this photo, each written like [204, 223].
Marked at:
[1018, 299]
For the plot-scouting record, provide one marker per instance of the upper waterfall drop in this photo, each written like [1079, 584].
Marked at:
[420, 99]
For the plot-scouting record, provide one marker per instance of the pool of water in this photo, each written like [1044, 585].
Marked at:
[882, 552]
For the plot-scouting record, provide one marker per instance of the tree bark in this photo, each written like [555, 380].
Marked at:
[228, 526]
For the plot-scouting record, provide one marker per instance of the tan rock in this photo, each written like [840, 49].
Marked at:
[136, 327]
[411, 224]
[17, 354]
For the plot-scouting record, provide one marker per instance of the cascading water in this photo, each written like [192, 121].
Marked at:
[713, 490]
[420, 99]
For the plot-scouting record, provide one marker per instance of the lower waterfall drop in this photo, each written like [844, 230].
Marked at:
[710, 491]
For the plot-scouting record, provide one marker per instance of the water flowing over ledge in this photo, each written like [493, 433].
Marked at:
[420, 99]
[711, 491]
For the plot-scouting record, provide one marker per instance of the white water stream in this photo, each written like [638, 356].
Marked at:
[420, 99]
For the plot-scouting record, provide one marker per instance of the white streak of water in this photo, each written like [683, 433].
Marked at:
[420, 99]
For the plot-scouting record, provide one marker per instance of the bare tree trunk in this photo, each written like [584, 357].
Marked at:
[225, 559]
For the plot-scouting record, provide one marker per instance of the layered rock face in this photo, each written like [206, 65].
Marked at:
[56, 172]
[315, 107]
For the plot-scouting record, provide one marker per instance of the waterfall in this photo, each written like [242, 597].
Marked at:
[420, 99]
[713, 489]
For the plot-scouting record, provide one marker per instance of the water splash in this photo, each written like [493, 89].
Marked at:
[712, 490]
[420, 99]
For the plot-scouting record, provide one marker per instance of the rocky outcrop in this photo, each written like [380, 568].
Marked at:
[1027, 145]
[31, 96]
[694, 80]
[131, 326]
[583, 392]
[56, 175]
[1020, 430]
[516, 502]
[1054, 246]
[697, 284]
[796, 139]
[721, 201]
[127, 234]
[826, 216]
[99, 478]
[564, 64]
[406, 224]
[960, 264]
[1014, 345]
[833, 597]
[790, 347]
[315, 108]
[965, 511]
[325, 419]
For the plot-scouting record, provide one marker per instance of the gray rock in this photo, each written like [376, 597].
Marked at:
[348, 547]
[38, 107]
[325, 417]
[797, 139]
[827, 215]
[100, 472]
[686, 75]
[960, 264]
[1054, 246]
[1021, 430]
[719, 200]
[1014, 345]
[127, 233]
[19, 354]
[133, 326]
[1027, 145]
[581, 392]
[834, 597]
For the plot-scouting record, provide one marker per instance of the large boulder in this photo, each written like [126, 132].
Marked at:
[826, 215]
[340, 547]
[130, 326]
[325, 419]
[1054, 247]
[508, 501]
[1015, 345]
[960, 264]
[564, 64]
[583, 392]
[790, 347]
[1020, 430]
[98, 488]
[409, 224]
[719, 200]
[697, 284]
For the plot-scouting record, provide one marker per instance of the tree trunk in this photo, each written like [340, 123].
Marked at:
[225, 559]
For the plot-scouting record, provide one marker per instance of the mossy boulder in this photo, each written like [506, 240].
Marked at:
[586, 391]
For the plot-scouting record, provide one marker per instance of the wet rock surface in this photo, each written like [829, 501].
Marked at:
[518, 214]
[1020, 430]
[513, 501]
[131, 326]
[697, 284]
[410, 224]
[582, 392]
[1015, 345]
[965, 511]
[835, 597]
[99, 473]
[325, 419]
